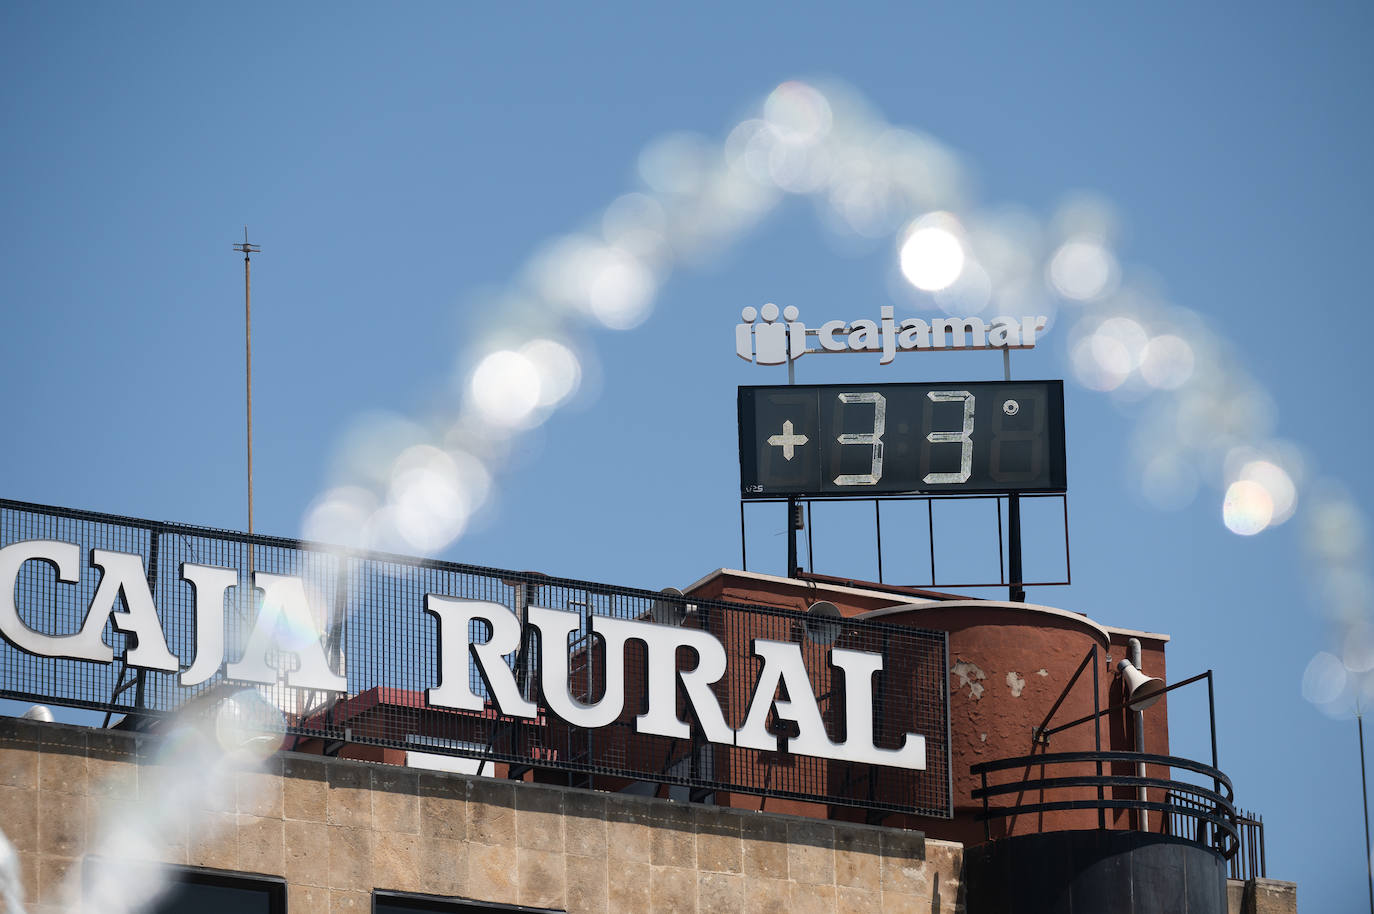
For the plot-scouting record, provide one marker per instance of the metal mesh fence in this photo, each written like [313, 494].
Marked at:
[368, 612]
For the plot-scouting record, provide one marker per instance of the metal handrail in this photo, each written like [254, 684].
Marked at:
[1214, 807]
[1094, 780]
[1054, 758]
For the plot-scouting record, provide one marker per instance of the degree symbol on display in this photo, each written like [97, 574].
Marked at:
[787, 441]
[1011, 407]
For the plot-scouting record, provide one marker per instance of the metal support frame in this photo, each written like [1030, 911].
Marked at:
[1040, 735]
[1008, 562]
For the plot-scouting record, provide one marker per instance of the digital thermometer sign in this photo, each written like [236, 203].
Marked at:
[888, 439]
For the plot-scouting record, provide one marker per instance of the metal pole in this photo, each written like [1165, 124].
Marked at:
[791, 502]
[1212, 723]
[1364, 789]
[743, 549]
[1015, 593]
[248, 249]
[791, 538]
[878, 525]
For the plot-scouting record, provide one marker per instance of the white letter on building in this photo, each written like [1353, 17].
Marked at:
[827, 336]
[960, 329]
[210, 582]
[662, 642]
[284, 600]
[1029, 327]
[863, 336]
[1004, 331]
[454, 689]
[66, 560]
[554, 627]
[122, 572]
[915, 334]
[782, 662]
[859, 667]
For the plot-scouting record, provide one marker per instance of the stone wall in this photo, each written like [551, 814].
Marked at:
[1261, 896]
[336, 829]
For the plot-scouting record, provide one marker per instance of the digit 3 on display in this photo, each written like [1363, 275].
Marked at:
[833, 440]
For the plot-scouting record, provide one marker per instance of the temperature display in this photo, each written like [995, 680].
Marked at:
[872, 439]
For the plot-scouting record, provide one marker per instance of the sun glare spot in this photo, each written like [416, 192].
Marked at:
[558, 368]
[619, 290]
[1275, 481]
[1167, 362]
[339, 516]
[1248, 508]
[431, 498]
[505, 388]
[932, 256]
[1083, 270]
[1101, 362]
[1357, 649]
[969, 294]
[1324, 679]
[799, 110]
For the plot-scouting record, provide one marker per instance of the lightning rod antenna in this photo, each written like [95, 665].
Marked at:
[248, 249]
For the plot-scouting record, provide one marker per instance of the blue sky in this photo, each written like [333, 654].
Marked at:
[402, 166]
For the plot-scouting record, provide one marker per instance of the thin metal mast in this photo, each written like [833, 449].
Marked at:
[1364, 794]
[248, 249]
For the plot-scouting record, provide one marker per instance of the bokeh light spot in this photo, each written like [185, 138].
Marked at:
[1277, 483]
[1083, 270]
[799, 111]
[1324, 679]
[505, 388]
[558, 369]
[1167, 362]
[1357, 649]
[1247, 508]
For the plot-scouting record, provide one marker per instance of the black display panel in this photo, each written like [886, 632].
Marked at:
[887, 439]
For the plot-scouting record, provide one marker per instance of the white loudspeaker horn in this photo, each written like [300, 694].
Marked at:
[1141, 690]
[823, 623]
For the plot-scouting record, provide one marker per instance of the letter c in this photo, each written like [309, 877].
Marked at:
[826, 334]
[66, 558]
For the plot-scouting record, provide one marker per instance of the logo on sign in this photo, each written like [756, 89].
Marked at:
[763, 339]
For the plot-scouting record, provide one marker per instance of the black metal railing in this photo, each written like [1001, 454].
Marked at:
[1248, 861]
[1211, 814]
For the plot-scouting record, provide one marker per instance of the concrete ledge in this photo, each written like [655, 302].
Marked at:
[339, 828]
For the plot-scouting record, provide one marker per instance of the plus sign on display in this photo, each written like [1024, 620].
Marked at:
[887, 439]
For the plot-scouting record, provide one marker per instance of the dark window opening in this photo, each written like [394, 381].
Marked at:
[408, 903]
[197, 891]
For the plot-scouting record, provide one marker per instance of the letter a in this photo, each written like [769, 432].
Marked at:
[284, 600]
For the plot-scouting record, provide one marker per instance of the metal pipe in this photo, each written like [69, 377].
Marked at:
[1133, 655]
[1016, 593]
